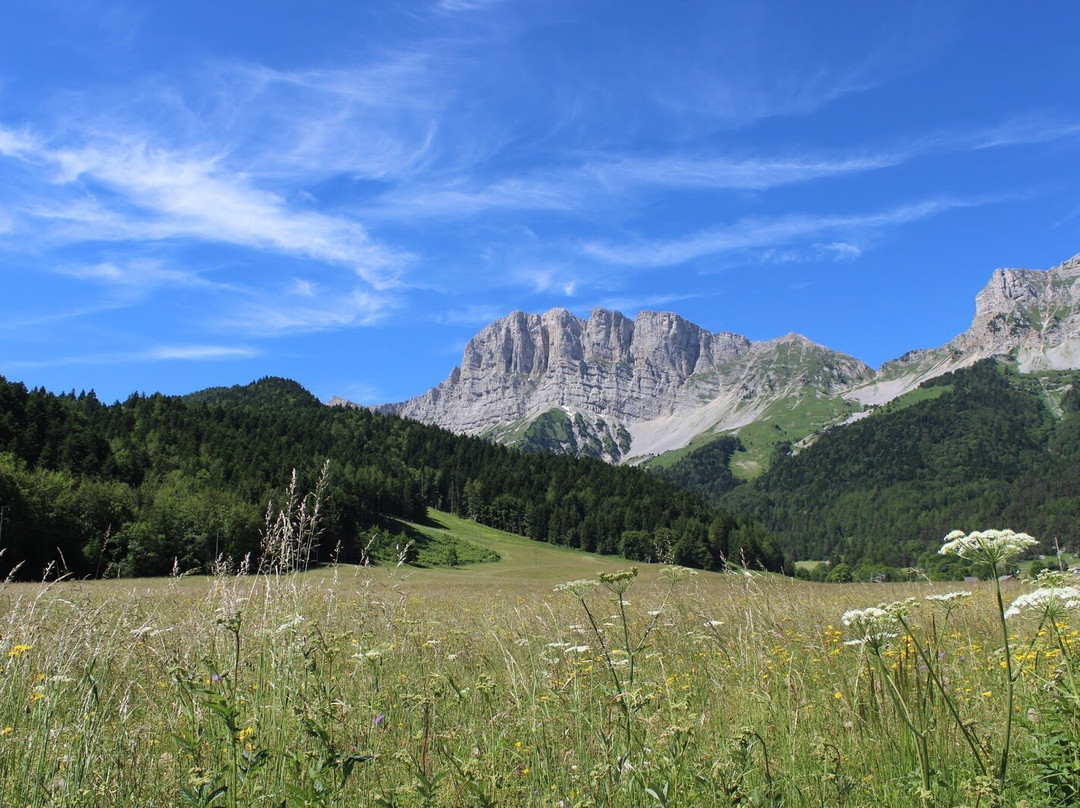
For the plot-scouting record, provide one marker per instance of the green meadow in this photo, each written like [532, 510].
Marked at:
[549, 678]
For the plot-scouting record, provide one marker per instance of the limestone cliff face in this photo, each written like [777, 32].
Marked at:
[630, 388]
[1029, 316]
[626, 371]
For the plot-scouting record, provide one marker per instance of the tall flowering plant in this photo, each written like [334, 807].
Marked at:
[994, 548]
[875, 628]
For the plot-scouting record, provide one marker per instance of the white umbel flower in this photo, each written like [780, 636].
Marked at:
[948, 597]
[990, 546]
[1048, 599]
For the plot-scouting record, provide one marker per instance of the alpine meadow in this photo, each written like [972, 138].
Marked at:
[539, 404]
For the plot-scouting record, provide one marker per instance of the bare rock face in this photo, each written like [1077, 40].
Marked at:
[630, 388]
[622, 372]
[1029, 316]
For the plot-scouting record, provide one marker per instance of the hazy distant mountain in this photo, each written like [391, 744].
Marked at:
[626, 389]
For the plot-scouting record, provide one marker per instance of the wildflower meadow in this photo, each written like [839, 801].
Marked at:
[549, 678]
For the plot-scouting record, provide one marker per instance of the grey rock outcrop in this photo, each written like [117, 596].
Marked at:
[1029, 316]
[631, 372]
[644, 386]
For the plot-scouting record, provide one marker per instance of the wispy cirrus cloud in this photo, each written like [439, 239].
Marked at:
[475, 315]
[762, 232]
[165, 195]
[136, 277]
[610, 181]
[627, 304]
[378, 120]
[161, 353]
[604, 182]
[301, 311]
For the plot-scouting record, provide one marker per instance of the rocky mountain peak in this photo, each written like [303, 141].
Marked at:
[622, 388]
[1031, 316]
[611, 373]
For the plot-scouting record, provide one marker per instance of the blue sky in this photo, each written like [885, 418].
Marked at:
[195, 194]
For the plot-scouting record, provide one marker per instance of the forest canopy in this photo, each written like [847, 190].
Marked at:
[136, 487]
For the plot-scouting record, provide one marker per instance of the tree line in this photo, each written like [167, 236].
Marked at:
[136, 487]
[878, 495]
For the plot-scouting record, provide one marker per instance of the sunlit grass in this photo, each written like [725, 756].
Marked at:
[483, 685]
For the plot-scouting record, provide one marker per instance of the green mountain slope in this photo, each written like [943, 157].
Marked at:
[134, 487]
[981, 447]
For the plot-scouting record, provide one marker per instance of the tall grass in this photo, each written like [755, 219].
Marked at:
[365, 686]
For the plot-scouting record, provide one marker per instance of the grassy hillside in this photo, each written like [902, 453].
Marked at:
[497, 684]
[975, 449]
[786, 421]
[158, 482]
[507, 557]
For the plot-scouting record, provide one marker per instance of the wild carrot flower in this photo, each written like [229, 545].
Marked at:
[990, 546]
[1049, 599]
[579, 589]
[618, 582]
[994, 547]
[1052, 577]
[948, 597]
[676, 573]
[874, 625]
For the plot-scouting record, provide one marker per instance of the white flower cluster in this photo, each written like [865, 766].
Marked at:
[861, 617]
[948, 597]
[873, 623]
[579, 589]
[991, 546]
[1050, 599]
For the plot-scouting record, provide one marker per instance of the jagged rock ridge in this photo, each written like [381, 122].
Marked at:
[637, 376]
[625, 389]
[1029, 316]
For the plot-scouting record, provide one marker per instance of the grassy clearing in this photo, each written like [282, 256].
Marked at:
[792, 421]
[484, 686]
[912, 397]
[670, 458]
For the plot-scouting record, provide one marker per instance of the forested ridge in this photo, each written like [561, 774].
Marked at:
[705, 471]
[987, 451]
[133, 487]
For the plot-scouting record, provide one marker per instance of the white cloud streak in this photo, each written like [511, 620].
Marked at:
[757, 233]
[162, 353]
[612, 181]
[272, 316]
[136, 277]
[186, 197]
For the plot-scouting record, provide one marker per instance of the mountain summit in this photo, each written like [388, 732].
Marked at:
[1028, 316]
[626, 390]
[619, 388]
